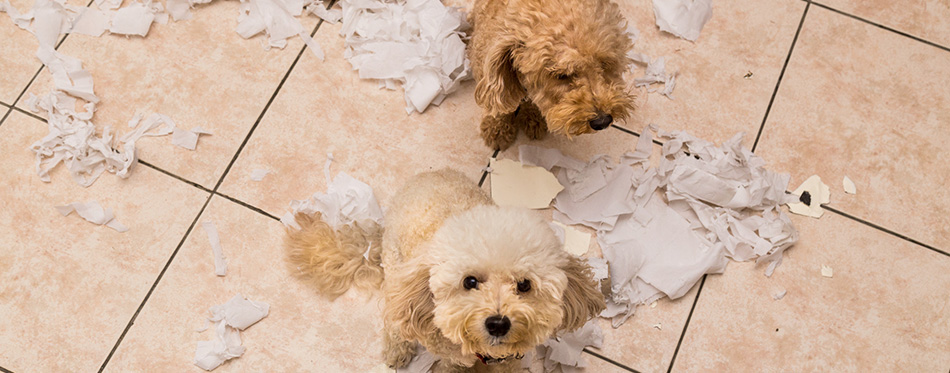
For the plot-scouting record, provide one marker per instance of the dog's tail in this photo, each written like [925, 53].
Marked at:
[333, 259]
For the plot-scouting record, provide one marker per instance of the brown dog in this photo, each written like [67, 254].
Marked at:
[548, 66]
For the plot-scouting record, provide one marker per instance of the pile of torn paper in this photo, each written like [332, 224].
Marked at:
[661, 229]
[417, 44]
[228, 320]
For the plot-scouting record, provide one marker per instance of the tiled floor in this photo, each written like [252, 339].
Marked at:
[841, 87]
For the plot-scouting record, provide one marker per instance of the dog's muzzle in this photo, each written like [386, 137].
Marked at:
[488, 360]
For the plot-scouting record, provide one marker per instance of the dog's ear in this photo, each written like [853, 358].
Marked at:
[409, 302]
[582, 299]
[496, 83]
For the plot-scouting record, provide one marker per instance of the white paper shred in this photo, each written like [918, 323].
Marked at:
[319, 9]
[187, 139]
[827, 271]
[417, 44]
[346, 201]
[575, 242]
[134, 19]
[229, 319]
[258, 174]
[92, 22]
[683, 18]
[220, 265]
[93, 213]
[849, 186]
[655, 73]
[515, 184]
[598, 267]
[779, 295]
[661, 229]
[818, 194]
[566, 349]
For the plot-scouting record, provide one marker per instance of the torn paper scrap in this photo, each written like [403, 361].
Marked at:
[220, 265]
[134, 19]
[598, 268]
[187, 139]
[655, 73]
[516, 184]
[575, 242]
[683, 18]
[319, 9]
[346, 201]
[658, 326]
[811, 195]
[417, 44]
[229, 319]
[779, 295]
[259, 173]
[849, 186]
[566, 349]
[92, 22]
[93, 213]
[827, 271]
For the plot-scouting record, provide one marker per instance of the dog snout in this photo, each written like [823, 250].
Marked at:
[497, 325]
[601, 121]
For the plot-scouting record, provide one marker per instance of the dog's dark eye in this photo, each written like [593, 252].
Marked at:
[563, 77]
[524, 286]
[470, 283]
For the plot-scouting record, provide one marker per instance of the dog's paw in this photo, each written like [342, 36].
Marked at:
[398, 355]
[530, 120]
[498, 131]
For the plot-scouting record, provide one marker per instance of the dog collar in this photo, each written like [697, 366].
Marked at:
[488, 360]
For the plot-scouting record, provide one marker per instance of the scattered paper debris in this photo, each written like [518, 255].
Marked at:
[516, 184]
[346, 201]
[187, 139]
[827, 271]
[220, 265]
[655, 73]
[93, 213]
[229, 319]
[134, 19]
[779, 295]
[319, 9]
[575, 242]
[598, 267]
[661, 229]
[653, 305]
[849, 186]
[566, 349]
[683, 18]
[811, 195]
[417, 44]
[258, 174]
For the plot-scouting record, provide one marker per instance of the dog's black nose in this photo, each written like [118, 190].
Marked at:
[601, 121]
[497, 325]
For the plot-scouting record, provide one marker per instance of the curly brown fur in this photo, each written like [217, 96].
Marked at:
[567, 57]
[332, 260]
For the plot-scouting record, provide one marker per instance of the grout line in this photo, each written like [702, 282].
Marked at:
[182, 179]
[4, 104]
[637, 134]
[780, 76]
[5, 115]
[485, 171]
[5, 370]
[872, 23]
[23, 92]
[155, 284]
[609, 360]
[27, 112]
[885, 230]
[685, 326]
[247, 205]
[264, 111]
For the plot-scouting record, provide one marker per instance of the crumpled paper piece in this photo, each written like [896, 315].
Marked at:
[566, 349]
[811, 195]
[346, 201]
[849, 186]
[683, 18]
[187, 139]
[516, 184]
[827, 271]
[655, 73]
[220, 265]
[93, 213]
[276, 19]
[229, 319]
[661, 229]
[417, 44]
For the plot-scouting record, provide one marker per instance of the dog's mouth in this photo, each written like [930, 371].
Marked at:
[491, 360]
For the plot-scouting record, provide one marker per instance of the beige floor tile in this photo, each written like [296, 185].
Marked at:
[325, 107]
[68, 287]
[884, 309]
[19, 61]
[303, 332]
[844, 109]
[713, 100]
[199, 72]
[926, 19]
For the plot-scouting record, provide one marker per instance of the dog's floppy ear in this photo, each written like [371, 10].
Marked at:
[409, 302]
[582, 299]
[496, 82]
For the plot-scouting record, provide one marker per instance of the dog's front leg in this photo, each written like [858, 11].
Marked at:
[528, 117]
[397, 351]
[499, 131]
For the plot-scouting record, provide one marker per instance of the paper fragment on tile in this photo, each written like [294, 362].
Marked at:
[653, 305]
[259, 173]
[815, 193]
[683, 18]
[187, 139]
[92, 212]
[220, 265]
[575, 242]
[346, 201]
[849, 186]
[516, 184]
[92, 22]
[229, 319]
[566, 349]
[598, 268]
[827, 271]
[658, 326]
[779, 295]
[417, 44]
[655, 73]
[319, 9]
[134, 19]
